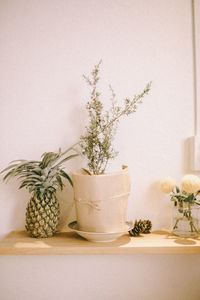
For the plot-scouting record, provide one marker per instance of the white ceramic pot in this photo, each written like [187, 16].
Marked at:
[101, 200]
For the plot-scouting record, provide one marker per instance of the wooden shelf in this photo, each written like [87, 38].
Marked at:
[63, 243]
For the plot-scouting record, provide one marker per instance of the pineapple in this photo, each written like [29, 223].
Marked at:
[42, 179]
[42, 216]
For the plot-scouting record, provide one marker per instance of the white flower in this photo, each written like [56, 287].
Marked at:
[190, 183]
[167, 185]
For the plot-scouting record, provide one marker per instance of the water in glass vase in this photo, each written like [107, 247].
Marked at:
[185, 220]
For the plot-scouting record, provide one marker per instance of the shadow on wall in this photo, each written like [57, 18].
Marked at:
[20, 200]
[161, 215]
[67, 208]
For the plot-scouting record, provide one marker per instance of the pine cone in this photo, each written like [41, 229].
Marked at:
[137, 229]
[141, 226]
[147, 225]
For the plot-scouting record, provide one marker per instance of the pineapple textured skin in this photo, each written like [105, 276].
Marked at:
[42, 216]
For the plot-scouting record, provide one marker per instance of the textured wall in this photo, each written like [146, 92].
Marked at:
[45, 48]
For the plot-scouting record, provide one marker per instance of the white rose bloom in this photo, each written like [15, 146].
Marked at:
[190, 183]
[167, 185]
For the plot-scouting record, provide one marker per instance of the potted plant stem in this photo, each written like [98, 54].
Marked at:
[42, 179]
[101, 199]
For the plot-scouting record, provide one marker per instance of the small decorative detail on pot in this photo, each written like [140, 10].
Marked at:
[86, 171]
[91, 204]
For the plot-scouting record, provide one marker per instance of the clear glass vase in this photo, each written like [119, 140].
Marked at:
[186, 220]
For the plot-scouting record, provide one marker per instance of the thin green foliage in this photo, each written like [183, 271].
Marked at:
[180, 196]
[96, 144]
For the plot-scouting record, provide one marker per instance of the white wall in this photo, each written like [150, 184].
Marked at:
[45, 48]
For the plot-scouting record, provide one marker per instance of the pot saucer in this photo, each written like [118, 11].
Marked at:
[100, 236]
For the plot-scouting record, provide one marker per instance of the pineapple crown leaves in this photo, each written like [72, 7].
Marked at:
[96, 144]
[41, 177]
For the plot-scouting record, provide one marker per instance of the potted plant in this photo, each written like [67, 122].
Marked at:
[186, 204]
[42, 179]
[100, 198]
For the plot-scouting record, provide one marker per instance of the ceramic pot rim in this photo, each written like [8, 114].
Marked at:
[81, 172]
